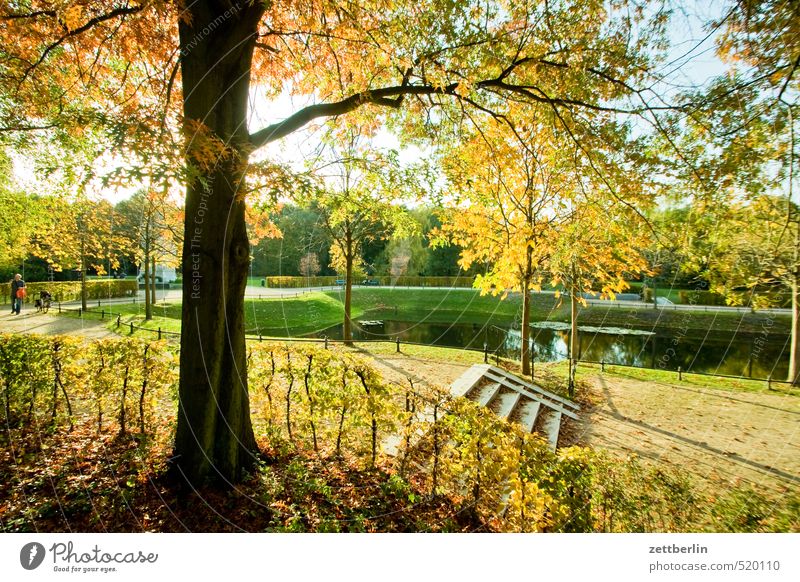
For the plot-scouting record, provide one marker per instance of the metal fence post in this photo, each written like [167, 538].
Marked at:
[680, 373]
[326, 342]
[131, 328]
[397, 343]
[102, 314]
[80, 311]
[119, 320]
[159, 333]
[485, 353]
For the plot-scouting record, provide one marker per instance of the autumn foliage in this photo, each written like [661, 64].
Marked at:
[90, 424]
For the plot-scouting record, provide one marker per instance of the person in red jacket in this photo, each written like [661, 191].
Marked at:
[17, 294]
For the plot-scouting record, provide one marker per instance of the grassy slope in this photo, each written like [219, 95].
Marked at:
[270, 317]
[317, 311]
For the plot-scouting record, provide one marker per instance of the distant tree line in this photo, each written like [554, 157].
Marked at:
[303, 233]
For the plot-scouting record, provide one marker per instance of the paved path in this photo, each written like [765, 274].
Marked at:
[29, 321]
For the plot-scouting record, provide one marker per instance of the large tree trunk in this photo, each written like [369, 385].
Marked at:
[348, 290]
[214, 439]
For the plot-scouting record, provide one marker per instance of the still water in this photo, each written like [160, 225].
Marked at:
[725, 353]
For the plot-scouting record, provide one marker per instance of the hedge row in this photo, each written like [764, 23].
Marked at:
[759, 300]
[384, 281]
[338, 405]
[55, 380]
[71, 290]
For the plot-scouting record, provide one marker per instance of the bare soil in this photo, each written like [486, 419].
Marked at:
[721, 437]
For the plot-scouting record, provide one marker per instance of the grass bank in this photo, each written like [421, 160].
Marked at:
[468, 306]
[313, 312]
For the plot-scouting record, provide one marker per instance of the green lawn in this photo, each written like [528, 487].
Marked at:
[270, 317]
[671, 377]
[441, 305]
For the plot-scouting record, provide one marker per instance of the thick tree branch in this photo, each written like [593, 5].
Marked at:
[387, 97]
[23, 15]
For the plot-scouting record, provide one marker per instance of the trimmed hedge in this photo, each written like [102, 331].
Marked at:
[385, 281]
[71, 290]
[296, 282]
[741, 298]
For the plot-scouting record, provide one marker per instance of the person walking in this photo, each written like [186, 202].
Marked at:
[17, 294]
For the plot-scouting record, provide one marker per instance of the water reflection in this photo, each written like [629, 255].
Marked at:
[724, 353]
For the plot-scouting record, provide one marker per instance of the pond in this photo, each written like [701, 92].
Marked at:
[756, 355]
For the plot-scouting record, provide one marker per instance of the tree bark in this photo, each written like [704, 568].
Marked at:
[214, 439]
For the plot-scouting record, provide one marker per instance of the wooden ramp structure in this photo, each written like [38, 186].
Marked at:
[516, 400]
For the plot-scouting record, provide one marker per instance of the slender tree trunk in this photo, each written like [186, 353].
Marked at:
[655, 294]
[526, 313]
[348, 290]
[794, 351]
[148, 306]
[574, 339]
[525, 355]
[83, 275]
[153, 282]
[214, 438]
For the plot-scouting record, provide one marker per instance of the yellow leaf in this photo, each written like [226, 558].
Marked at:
[73, 17]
